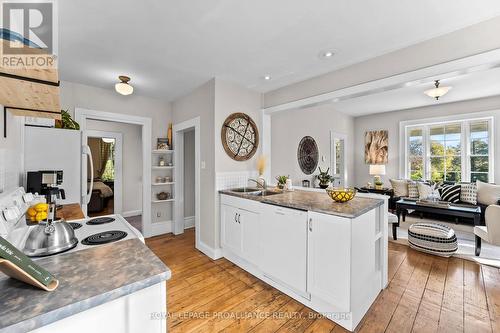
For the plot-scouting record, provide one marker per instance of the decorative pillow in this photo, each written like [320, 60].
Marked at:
[412, 190]
[424, 190]
[468, 193]
[400, 187]
[450, 193]
[487, 194]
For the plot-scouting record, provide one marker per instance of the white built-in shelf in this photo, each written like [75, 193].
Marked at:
[160, 184]
[162, 151]
[162, 167]
[160, 201]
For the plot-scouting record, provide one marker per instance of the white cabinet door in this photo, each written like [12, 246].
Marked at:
[329, 258]
[231, 228]
[284, 247]
[250, 235]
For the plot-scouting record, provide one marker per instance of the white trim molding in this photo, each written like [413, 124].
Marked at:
[178, 133]
[131, 213]
[212, 253]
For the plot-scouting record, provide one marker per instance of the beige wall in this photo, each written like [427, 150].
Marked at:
[461, 43]
[231, 98]
[189, 174]
[289, 127]
[75, 95]
[390, 121]
[131, 161]
[201, 103]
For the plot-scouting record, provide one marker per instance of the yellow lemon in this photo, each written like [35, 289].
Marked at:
[31, 212]
[41, 216]
[41, 207]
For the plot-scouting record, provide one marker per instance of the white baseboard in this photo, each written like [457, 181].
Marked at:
[189, 222]
[132, 213]
[212, 253]
[160, 228]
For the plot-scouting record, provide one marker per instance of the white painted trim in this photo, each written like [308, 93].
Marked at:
[479, 62]
[161, 228]
[130, 213]
[189, 222]
[489, 115]
[210, 252]
[178, 132]
[81, 116]
[118, 161]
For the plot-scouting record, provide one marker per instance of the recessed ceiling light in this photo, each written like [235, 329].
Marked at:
[326, 54]
[267, 77]
[123, 87]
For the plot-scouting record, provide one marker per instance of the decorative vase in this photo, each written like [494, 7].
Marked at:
[324, 186]
[379, 186]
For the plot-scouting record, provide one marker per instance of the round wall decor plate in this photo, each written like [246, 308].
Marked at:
[308, 155]
[240, 136]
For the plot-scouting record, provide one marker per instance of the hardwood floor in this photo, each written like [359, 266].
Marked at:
[425, 294]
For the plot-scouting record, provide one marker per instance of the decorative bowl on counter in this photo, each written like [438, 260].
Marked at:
[340, 194]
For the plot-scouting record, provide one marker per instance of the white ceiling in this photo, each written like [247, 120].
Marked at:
[464, 87]
[170, 47]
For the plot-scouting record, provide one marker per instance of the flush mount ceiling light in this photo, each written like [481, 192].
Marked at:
[438, 91]
[124, 87]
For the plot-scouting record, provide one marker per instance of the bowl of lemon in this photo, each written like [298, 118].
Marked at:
[341, 194]
[38, 212]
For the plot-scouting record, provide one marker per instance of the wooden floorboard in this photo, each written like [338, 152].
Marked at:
[425, 294]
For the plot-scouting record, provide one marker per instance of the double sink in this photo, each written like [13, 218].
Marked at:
[255, 191]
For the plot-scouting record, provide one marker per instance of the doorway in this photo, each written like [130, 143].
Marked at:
[187, 177]
[337, 158]
[105, 181]
[142, 158]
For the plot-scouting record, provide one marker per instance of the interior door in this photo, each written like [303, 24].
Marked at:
[87, 173]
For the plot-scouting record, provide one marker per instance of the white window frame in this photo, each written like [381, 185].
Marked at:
[465, 121]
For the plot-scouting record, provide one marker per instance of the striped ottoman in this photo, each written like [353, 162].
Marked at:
[433, 238]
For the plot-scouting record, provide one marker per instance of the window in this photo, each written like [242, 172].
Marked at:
[449, 151]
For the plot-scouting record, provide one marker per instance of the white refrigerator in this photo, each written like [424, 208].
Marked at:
[60, 149]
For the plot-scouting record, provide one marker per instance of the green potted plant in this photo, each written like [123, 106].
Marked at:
[324, 178]
[282, 181]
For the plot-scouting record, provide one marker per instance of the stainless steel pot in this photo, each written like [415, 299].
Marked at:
[50, 238]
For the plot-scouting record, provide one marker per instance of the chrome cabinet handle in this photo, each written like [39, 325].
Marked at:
[239, 216]
[235, 214]
[311, 224]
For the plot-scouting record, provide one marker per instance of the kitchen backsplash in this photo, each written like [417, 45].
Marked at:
[225, 180]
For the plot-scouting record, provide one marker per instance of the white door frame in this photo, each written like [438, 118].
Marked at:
[81, 116]
[178, 134]
[118, 162]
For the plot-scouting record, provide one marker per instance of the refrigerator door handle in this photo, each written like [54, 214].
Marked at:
[88, 152]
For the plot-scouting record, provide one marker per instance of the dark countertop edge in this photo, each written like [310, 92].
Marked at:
[378, 203]
[89, 303]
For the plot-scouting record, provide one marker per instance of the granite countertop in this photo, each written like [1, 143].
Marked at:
[87, 278]
[318, 202]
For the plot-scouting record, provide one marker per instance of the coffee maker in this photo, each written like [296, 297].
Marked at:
[46, 183]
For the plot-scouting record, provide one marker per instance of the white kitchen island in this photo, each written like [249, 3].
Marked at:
[329, 256]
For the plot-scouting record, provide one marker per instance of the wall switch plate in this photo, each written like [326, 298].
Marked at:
[203, 165]
[158, 214]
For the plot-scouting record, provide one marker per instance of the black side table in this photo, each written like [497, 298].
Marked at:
[386, 191]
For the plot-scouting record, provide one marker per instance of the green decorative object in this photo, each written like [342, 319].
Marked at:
[282, 181]
[324, 178]
[67, 122]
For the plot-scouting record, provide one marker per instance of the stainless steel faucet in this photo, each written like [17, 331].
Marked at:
[263, 185]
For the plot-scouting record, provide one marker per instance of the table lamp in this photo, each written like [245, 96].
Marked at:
[376, 170]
